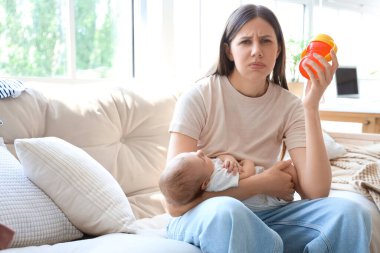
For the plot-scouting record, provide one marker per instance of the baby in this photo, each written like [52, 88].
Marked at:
[189, 174]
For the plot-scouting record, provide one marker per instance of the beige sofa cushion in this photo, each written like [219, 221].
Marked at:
[125, 132]
[22, 117]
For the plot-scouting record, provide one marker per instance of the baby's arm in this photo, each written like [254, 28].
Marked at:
[245, 167]
[230, 163]
[248, 169]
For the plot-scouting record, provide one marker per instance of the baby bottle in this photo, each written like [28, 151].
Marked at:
[320, 44]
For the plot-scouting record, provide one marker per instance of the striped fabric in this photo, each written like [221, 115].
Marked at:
[10, 88]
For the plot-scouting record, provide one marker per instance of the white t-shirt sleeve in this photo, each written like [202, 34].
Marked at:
[189, 115]
[221, 179]
[295, 135]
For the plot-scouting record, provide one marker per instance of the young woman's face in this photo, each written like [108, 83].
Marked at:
[254, 50]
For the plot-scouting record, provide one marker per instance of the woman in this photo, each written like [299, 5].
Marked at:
[245, 109]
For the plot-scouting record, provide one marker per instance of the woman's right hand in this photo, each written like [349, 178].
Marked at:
[277, 182]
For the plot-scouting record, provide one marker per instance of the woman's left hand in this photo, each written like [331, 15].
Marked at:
[318, 83]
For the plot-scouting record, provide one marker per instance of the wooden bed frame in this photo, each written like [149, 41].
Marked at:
[355, 138]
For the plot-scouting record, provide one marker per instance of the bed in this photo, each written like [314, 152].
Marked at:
[356, 175]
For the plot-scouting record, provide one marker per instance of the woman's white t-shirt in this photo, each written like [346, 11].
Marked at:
[223, 120]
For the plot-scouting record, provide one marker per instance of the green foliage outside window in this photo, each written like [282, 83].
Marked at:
[294, 50]
[94, 44]
[33, 36]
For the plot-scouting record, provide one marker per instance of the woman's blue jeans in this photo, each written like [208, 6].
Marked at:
[224, 224]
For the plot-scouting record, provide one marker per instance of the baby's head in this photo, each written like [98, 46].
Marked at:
[186, 177]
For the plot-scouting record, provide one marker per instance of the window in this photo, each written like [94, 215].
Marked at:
[353, 28]
[179, 39]
[103, 35]
[65, 38]
[121, 39]
[32, 39]
[351, 25]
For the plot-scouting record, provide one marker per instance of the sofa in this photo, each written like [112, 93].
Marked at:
[125, 136]
[79, 169]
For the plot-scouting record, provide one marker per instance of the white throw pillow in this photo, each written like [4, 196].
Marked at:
[85, 191]
[27, 210]
[334, 149]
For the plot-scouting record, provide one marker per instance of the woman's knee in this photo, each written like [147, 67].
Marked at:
[350, 208]
[352, 213]
[224, 209]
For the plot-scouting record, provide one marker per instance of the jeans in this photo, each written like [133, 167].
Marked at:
[224, 224]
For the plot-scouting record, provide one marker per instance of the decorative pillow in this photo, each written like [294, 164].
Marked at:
[84, 190]
[26, 210]
[10, 88]
[334, 149]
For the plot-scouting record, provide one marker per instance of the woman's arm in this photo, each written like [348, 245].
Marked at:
[180, 143]
[312, 163]
[248, 169]
[274, 181]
